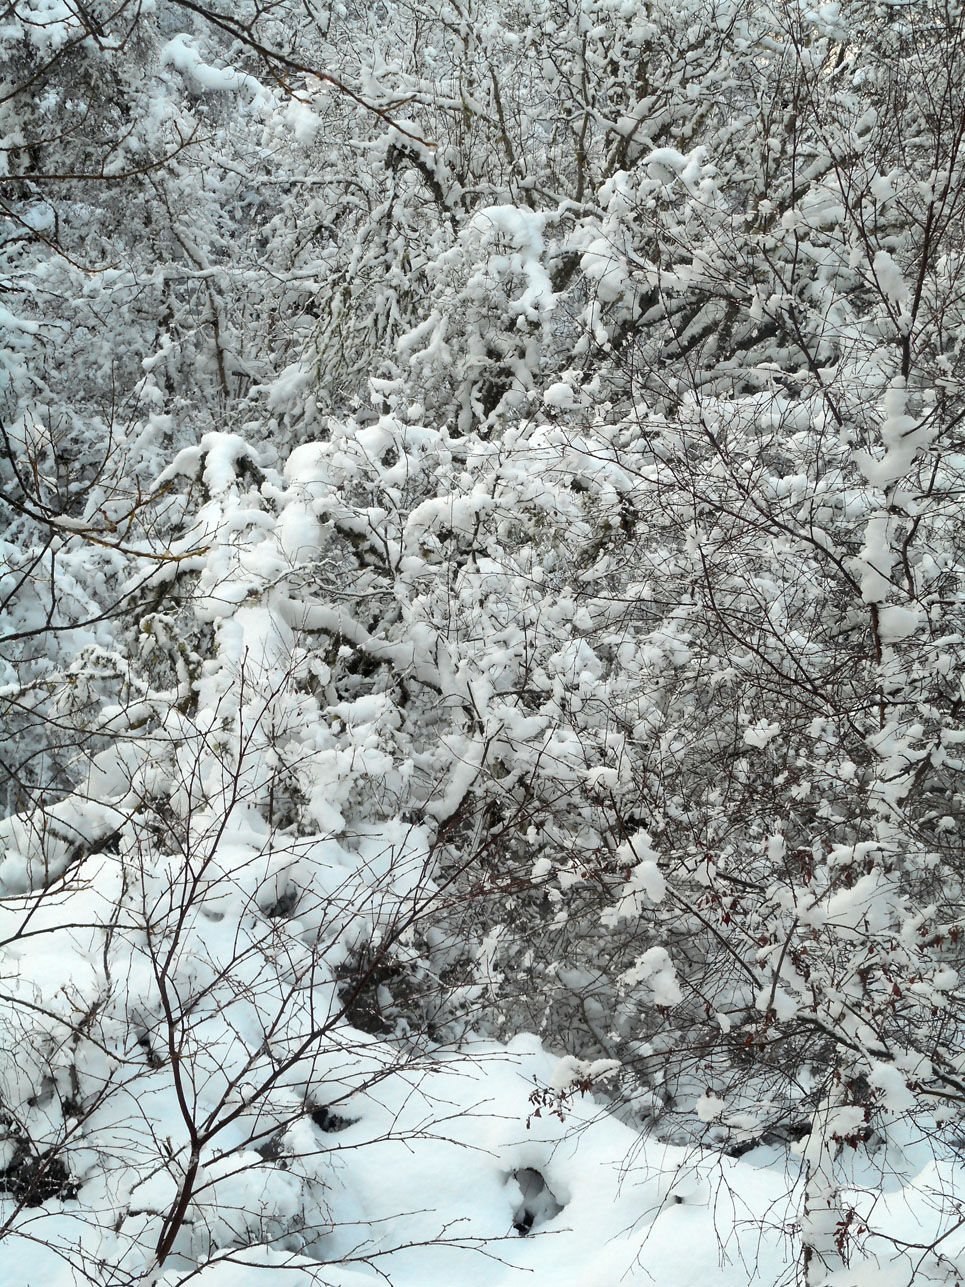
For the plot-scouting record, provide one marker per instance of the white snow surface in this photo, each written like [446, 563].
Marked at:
[422, 1191]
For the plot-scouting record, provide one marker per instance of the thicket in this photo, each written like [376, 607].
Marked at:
[481, 553]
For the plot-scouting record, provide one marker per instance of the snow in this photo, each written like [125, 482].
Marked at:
[903, 437]
[305, 123]
[424, 1188]
[602, 265]
[656, 969]
[482, 647]
[889, 278]
[559, 395]
[896, 622]
[710, 1107]
[440, 1208]
[876, 559]
[524, 230]
[761, 733]
[182, 53]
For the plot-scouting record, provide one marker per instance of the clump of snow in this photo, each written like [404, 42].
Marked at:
[761, 733]
[560, 396]
[571, 1070]
[523, 229]
[897, 622]
[890, 278]
[182, 53]
[902, 437]
[710, 1106]
[655, 968]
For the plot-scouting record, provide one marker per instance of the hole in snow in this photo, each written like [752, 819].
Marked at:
[539, 1202]
[28, 1175]
[330, 1122]
[283, 905]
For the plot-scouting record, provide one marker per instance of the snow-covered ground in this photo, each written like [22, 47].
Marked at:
[448, 1175]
